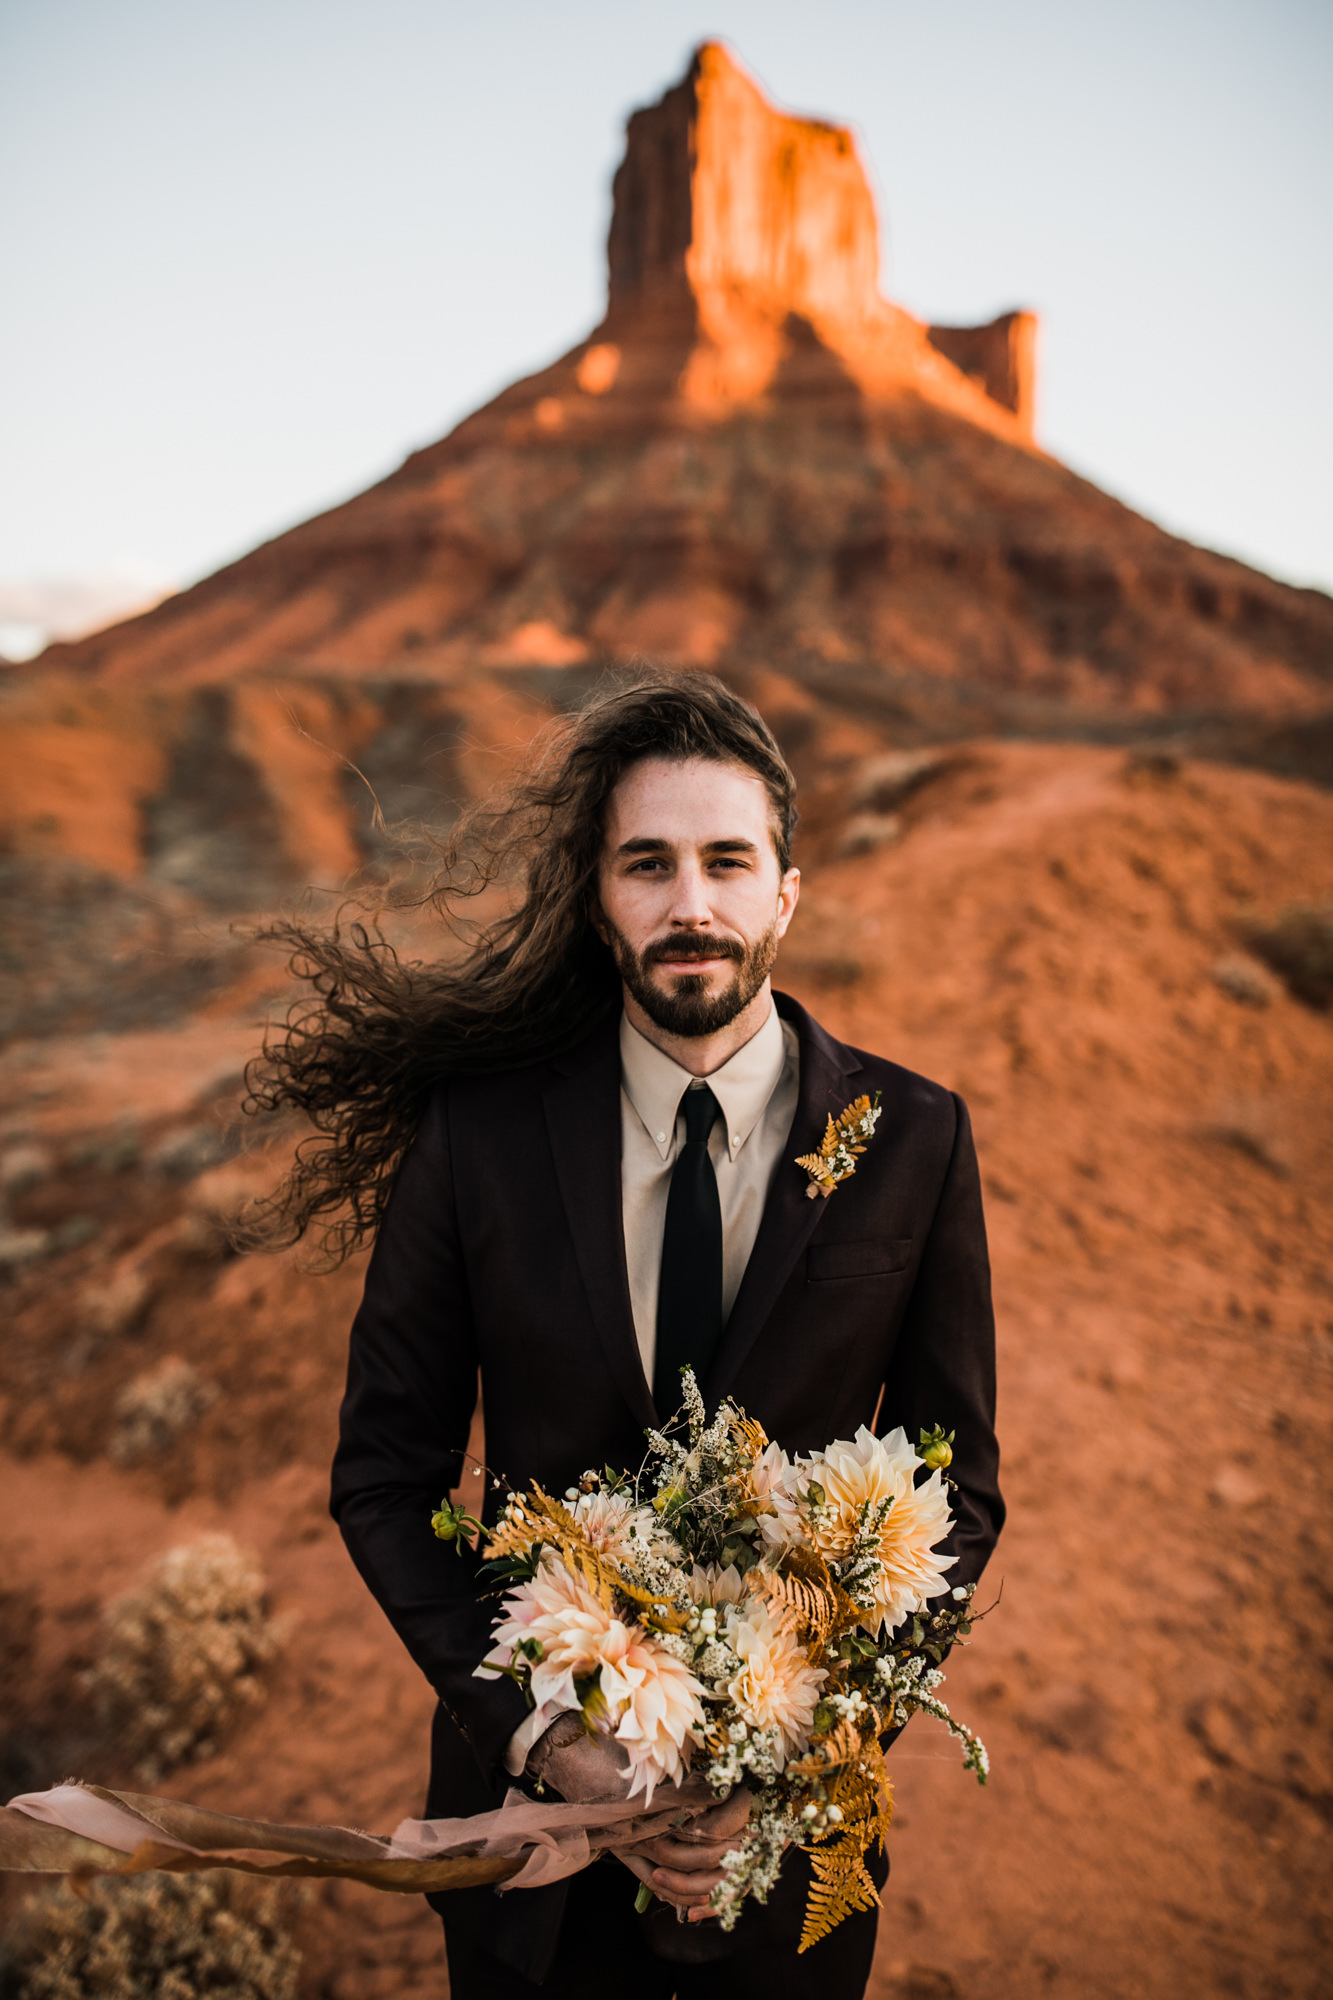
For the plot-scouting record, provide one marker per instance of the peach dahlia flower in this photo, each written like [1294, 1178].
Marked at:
[773, 1478]
[652, 1698]
[776, 1688]
[874, 1469]
[607, 1518]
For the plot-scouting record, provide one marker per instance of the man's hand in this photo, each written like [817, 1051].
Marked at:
[577, 1765]
[682, 1868]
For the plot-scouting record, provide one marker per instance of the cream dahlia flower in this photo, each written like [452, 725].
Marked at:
[776, 1688]
[875, 1469]
[651, 1698]
[709, 1583]
[573, 1628]
[607, 1519]
[654, 1699]
[774, 1480]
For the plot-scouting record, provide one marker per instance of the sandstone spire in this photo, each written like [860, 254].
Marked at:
[718, 190]
[749, 219]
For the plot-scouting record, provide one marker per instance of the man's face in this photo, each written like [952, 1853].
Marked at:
[691, 898]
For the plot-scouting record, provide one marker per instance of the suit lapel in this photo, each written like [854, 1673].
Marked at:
[789, 1216]
[582, 1107]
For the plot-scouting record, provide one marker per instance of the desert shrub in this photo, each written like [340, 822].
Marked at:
[1298, 945]
[153, 1409]
[152, 1937]
[181, 1653]
[115, 1304]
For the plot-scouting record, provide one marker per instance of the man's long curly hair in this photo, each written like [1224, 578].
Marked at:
[360, 1055]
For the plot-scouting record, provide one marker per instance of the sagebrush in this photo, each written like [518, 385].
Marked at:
[152, 1937]
[181, 1654]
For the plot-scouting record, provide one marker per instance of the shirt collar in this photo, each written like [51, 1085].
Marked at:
[654, 1084]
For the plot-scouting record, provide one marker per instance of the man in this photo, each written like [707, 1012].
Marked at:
[600, 1185]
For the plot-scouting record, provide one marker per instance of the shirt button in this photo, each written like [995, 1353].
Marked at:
[661, 1138]
[735, 1138]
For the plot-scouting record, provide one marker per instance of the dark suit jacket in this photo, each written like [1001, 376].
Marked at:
[502, 1252]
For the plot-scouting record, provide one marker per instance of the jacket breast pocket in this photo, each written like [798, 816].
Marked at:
[879, 1257]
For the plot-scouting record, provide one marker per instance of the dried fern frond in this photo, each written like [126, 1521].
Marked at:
[660, 1615]
[844, 1745]
[538, 1518]
[845, 1140]
[802, 1597]
[868, 1791]
[750, 1435]
[841, 1884]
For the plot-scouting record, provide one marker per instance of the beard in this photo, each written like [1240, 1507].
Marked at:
[689, 1010]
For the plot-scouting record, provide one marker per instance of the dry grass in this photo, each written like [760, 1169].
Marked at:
[158, 1937]
[181, 1654]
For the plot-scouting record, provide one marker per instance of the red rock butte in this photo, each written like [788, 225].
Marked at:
[758, 464]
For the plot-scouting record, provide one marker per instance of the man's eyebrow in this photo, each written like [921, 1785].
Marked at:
[652, 844]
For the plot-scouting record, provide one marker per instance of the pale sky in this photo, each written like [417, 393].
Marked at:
[255, 253]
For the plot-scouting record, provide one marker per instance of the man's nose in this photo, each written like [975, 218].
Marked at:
[691, 906]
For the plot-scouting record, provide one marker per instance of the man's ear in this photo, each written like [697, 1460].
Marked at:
[789, 894]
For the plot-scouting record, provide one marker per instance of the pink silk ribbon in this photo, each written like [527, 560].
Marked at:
[82, 1830]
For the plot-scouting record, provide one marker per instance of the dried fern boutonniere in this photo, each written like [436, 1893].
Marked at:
[846, 1139]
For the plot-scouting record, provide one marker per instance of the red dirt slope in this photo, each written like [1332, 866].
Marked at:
[1054, 932]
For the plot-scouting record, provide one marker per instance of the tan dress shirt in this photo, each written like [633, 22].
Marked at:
[757, 1090]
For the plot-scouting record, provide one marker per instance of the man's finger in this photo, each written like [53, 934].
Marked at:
[688, 1859]
[686, 1888]
[692, 1899]
[726, 1818]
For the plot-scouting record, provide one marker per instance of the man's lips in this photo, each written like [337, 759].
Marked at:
[695, 961]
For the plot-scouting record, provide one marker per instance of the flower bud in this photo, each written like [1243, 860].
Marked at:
[936, 1449]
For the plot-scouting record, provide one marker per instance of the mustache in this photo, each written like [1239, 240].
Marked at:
[694, 946]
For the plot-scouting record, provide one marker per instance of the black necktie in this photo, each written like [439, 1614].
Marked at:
[689, 1293]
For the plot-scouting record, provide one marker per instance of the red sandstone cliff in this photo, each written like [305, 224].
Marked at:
[754, 462]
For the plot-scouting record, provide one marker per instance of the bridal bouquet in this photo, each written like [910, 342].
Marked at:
[749, 1617]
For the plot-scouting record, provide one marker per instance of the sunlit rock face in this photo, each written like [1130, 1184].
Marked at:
[758, 464]
[756, 233]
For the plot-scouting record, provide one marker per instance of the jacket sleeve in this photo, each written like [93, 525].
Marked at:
[411, 1391]
[943, 1366]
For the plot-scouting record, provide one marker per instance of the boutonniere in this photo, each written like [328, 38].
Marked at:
[843, 1143]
